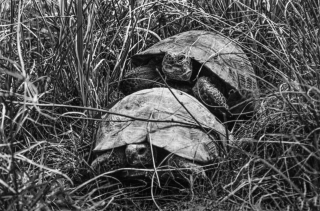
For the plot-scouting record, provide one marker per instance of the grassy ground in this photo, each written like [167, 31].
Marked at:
[60, 62]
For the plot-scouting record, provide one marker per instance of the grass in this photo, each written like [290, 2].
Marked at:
[61, 61]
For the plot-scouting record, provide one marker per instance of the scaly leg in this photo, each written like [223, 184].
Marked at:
[143, 77]
[111, 160]
[209, 94]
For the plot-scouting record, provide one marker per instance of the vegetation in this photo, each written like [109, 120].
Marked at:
[60, 63]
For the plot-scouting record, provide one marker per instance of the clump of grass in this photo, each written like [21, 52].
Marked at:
[60, 58]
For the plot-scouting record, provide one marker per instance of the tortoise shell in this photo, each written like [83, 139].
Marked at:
[174, 124]
[216, 55]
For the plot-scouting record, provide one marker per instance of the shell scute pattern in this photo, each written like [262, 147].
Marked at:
[179, 135]
[232, 74]
[212, 149]
[211, 55]
[242, 81]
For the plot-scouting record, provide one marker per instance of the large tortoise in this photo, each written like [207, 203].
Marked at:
[204, 64]
[183, 133]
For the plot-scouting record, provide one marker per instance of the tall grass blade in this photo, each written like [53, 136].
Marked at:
[79, 53]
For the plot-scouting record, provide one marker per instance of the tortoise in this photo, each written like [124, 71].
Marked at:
[204, 64]
[170, 128]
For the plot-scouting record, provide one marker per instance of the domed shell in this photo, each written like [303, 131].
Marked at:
[218, 54]
[170, 127]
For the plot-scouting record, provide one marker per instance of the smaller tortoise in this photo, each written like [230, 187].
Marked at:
[172, 137]
[204, 64]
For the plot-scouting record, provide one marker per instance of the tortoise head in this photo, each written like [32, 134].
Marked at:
[177, 66]
[140, 155]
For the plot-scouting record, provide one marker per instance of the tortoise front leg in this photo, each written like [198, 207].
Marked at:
[110, 160]
[143, 77]
[186, 165]
[209, 94]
